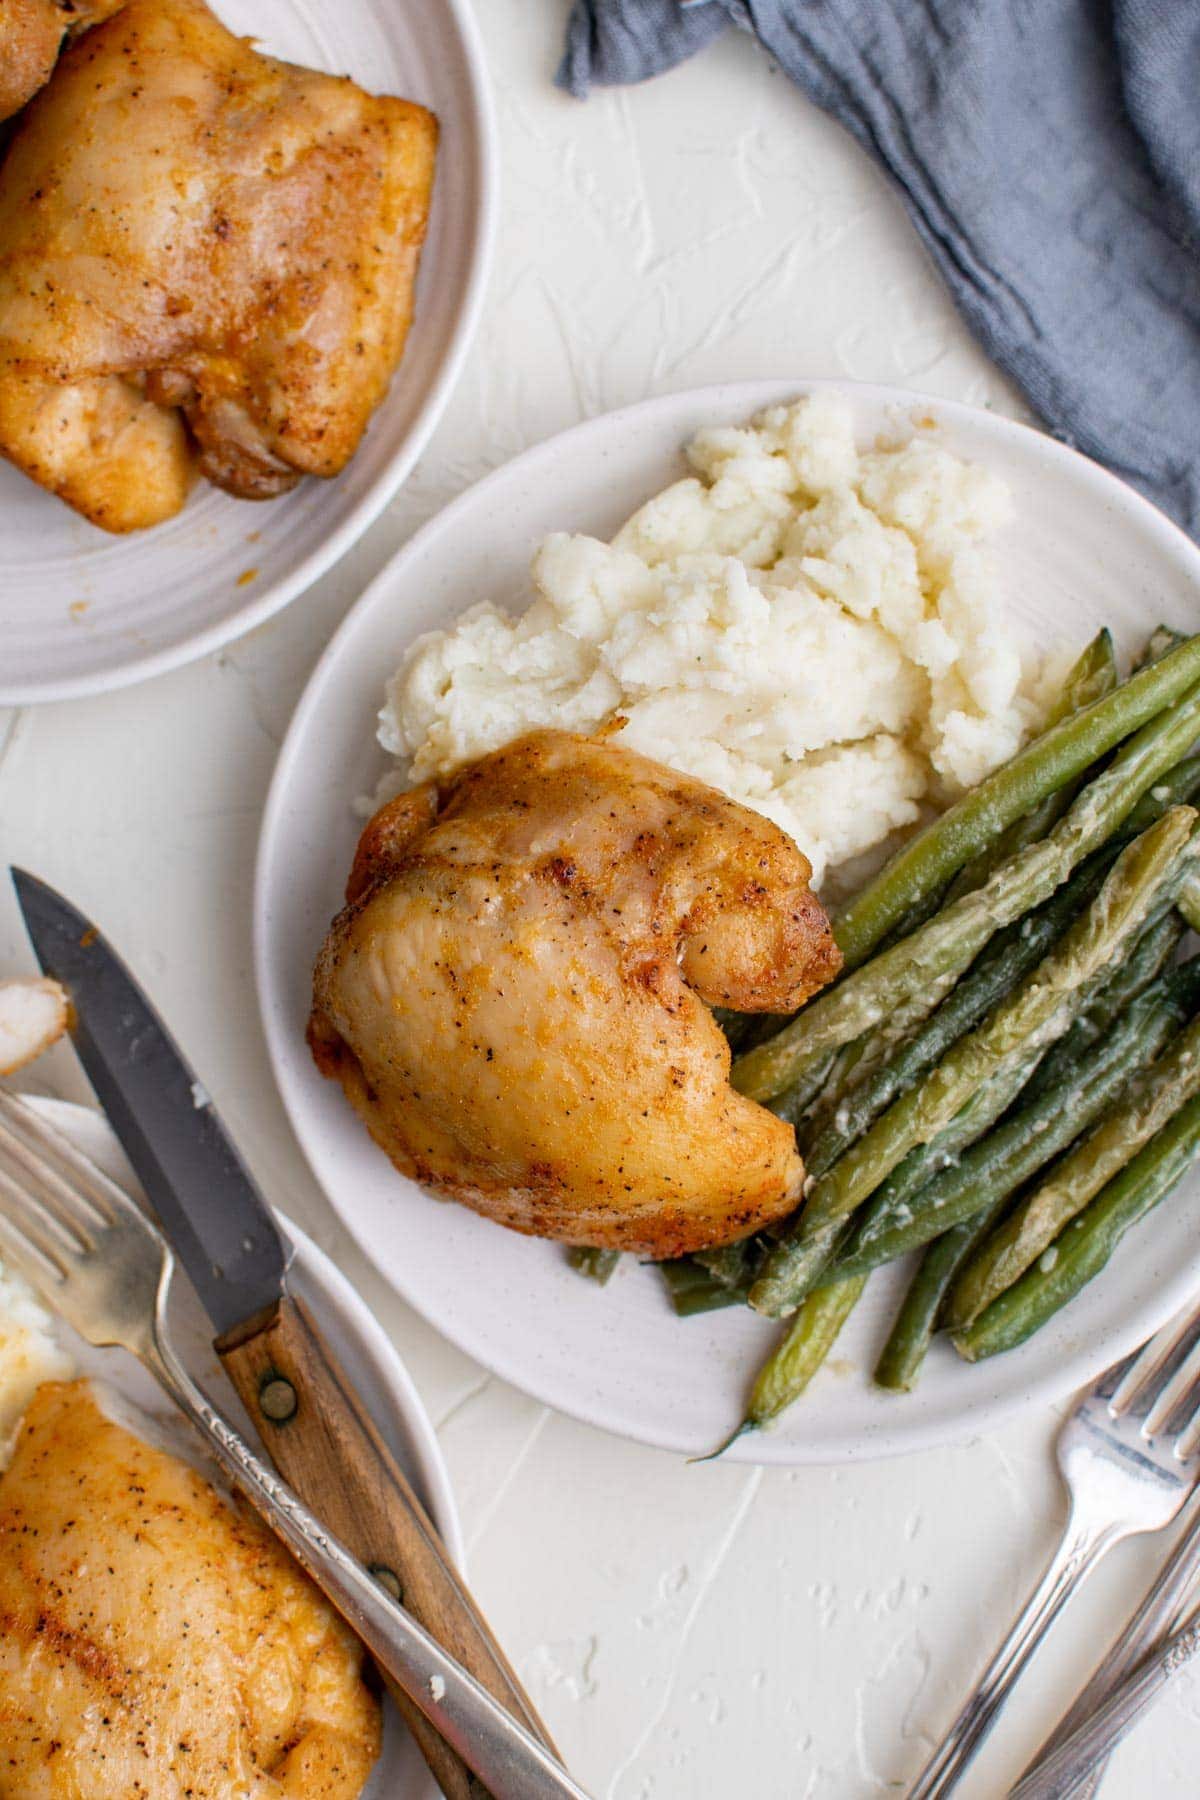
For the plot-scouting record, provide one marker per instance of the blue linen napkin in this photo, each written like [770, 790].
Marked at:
[1048, 152]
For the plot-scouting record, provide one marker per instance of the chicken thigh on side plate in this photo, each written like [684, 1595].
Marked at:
[31, 35]
[155, 1641]
[514, 996]
[207, 260]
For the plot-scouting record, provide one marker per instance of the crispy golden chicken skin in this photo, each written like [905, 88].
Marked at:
[207, 262]
[31, 35]
[513, 998]
[154, 1642]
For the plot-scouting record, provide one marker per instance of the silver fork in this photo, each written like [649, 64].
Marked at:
[1163, 1610]
[1127, 1458]
[97, 1260]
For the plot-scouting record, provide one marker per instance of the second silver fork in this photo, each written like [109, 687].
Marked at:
[1128, 1458]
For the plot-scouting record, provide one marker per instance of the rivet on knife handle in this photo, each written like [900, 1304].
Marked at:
[328, 1449]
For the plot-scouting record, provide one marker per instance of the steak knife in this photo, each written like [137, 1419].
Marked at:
[303, 1406]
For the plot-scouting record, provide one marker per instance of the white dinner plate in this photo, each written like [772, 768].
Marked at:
[81, 610]
[370, 1360]
[1083, 550]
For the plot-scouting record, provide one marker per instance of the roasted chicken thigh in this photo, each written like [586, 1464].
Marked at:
[207, 260]
[514, 996]
[31, 35]
[155, 1642]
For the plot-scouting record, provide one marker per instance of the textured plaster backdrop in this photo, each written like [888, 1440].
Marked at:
[688, 1632]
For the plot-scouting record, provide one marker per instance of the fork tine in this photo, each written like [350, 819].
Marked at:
[81, 1179]
[33, 1241]
[1155, 1367]
[41, 1183]
[1189, 1438]
[1177, 1402]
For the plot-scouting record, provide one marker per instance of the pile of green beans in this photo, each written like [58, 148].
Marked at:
[1007, 1076]
[1039, 1010]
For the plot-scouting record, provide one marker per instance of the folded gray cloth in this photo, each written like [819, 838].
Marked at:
[1048, 152]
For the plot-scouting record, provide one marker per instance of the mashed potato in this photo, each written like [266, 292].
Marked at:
[815, 629]
[29, 1355]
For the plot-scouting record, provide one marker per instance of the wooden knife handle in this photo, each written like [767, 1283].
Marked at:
[321, 1439]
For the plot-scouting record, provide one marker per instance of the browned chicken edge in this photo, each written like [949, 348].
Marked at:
[516, 997]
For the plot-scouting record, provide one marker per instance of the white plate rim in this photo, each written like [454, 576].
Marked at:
[468, 307]
[728, 400]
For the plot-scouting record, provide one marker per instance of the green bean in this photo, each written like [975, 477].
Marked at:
[597, 1265]
[1162, 640]
[729, 1264]
[1141, 969]
[902, 1357]
[928, 963]
[1040, 769]
[1030, 1136]
[681, 1273]
[795, 1099]
[693, 1289]
[1174, 787]
[801, 1350]
[1092, 676]
[1037, 1012]
[781, 1284]
[1189, 902]
[1009, 957]
[804, 1101]
[1017, 1243]
[1083, 1248]
[704, 1297]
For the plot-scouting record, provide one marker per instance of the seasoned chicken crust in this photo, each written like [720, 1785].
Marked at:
[31, 34]
[156, 1643]
[514, 996]
[207, 262]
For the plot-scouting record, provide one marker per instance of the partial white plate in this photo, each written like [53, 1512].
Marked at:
[370, 1361]
[82, 611]
[1084, 550]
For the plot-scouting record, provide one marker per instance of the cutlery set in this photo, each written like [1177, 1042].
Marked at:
[1128, 1454]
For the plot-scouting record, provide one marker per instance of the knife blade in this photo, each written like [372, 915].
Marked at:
[210, 1207]
[305, 1409]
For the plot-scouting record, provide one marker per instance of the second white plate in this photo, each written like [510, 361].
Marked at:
[1085, 550]
[370, 1360]
[82, 611]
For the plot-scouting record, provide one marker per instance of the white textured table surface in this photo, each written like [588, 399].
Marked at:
[688, 1632]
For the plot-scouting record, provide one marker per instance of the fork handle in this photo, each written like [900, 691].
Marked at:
[1097, 1737]
[325, 1445]
[510, 1762]
[1159, 1613]
[1082, 1546]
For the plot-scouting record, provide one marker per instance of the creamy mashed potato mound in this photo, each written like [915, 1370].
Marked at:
[29, 1354]
[815, 629]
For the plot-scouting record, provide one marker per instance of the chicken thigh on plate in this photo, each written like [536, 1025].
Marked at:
[158, 1643]
[514, 996]
[31, 35]
[207, 260]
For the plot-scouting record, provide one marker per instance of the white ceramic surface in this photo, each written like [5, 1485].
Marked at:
[370, 1360]
[81, 610]
[1083, 550]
